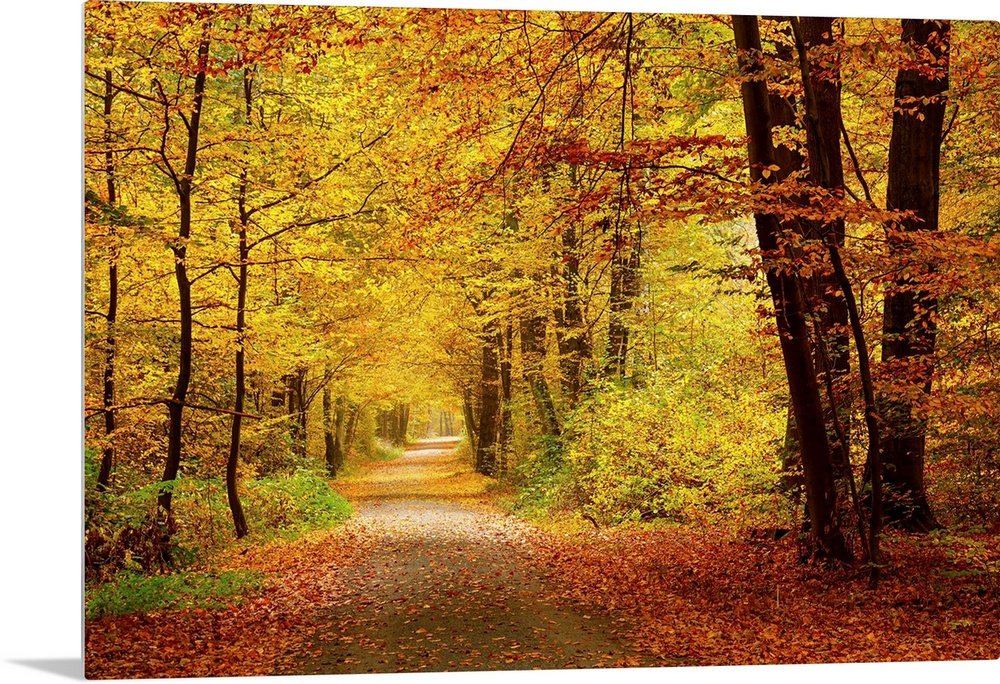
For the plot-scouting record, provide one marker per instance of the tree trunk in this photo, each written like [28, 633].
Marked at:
[339, 433]
[351, 430]
[908, 328]
[821, 496]
[533, 355]
[570, 333]
[183, 186]
[826, 170]
[624, 282]
[402, 422]
[507, 417]
[831, 355]
[232, 463]
[329, 433]
[471, 429]
[489, 412]
[296, 411]
[108, 455]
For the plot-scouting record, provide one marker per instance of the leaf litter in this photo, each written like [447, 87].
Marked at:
[431, 576]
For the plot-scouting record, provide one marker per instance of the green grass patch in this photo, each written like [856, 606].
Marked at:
[386, 452]
[133, 593]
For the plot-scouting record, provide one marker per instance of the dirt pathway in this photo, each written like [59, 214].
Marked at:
[450, 583]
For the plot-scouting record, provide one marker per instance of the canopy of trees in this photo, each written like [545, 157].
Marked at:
[733, 271]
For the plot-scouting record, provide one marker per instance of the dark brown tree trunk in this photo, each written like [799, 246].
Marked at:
[329, 433]
[507, 416]
[571, 335]
[302, 408]
[532, 358]
[296, 411]
[183, 187]
[823, 299]
[826, 170]
[821, 496]
[624, 282]
[232, 463]
[489, 412]
[908, 327]
[782, 111]
[108, 455]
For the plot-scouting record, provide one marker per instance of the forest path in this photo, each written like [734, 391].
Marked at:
[450, 583]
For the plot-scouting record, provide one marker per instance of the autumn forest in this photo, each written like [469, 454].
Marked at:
[426, 339]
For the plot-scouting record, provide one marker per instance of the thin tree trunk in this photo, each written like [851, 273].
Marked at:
[176, 406]
[624, 281]
[108, 455]
[339, 433]
[908, 328]
[471, 429]
[821, 496]
[507, 417]
[329, 433]
[232, 463]
[351, 430]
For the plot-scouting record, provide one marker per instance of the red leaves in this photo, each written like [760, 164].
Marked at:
[431, 583]
[721, 602]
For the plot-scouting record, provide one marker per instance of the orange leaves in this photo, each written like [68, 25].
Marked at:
[718, 601]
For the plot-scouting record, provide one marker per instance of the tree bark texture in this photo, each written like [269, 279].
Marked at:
[506, 416]
[489, 412]
[624, 282]
[826, 169]
[908, 328]
[821, 496]
[110, 348]
[329, 433]
[183, 187]
[533, 357]
[571, 334]
[232, 463]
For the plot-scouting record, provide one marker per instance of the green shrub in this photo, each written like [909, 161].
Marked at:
[121, 533]
[678, 450]
[386, 452]
[130, 592]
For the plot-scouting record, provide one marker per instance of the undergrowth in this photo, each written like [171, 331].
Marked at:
[662, 451]
[386, 452]
[124, 542]
[130, 592]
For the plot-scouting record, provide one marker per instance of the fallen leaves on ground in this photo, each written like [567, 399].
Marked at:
[712, 600]
[430, 576]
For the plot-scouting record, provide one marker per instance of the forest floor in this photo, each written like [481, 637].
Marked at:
[430, 575]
